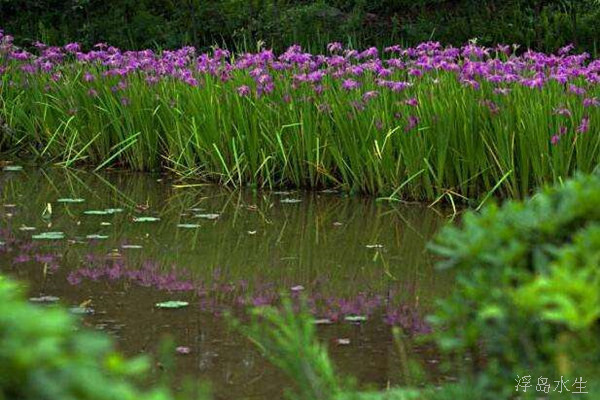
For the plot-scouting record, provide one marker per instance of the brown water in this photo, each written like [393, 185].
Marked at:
[220, 250]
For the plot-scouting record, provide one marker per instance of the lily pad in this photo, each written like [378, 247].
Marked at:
[96, 237]
[355, 318]
[207, 216]
[146, 219]
[172, 304]
[131, 246]
[290, 201]
[12, 168]
[108, 211]
[70, 200]
[188, 226]
[81, 310]
[49, 236]
[323, 321]
[44, 299]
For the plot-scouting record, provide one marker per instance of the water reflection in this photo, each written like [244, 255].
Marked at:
[219, 249]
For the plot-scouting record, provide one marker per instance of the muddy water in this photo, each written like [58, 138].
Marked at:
[124, 242]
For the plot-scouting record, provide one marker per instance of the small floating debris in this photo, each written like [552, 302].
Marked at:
[183, 350]
[105, 224]
[131, 246]
[355, 318]
[282, 193]
[172, 304]
[329, 191]
[96, 237]
[251, 232]
[25, 228]
[343, 341]
[297, 288]
[49, 236]
[336, 223]
[146, 219]
[9, 205]
[70, 200]
[207, 216]
[44, 299]
[12, 168]
[290, 201]
[323, 321]
[108, 211]
[188, 226]
[374, 246]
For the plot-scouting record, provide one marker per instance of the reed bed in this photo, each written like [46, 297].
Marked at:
[419, 123]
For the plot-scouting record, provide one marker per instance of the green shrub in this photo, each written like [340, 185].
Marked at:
[44, 356]
[527, 300]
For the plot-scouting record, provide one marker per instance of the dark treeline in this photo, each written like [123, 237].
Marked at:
[540, 24]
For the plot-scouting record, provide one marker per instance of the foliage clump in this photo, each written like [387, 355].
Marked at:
[44, 356]
[527, 300]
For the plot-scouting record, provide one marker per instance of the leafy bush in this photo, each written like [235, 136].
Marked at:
[43, 356]
[545, 25]
[527, 300]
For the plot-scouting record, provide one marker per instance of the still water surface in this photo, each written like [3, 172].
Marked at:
[123, 242]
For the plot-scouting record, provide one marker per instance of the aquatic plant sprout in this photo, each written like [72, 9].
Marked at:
[419, 122]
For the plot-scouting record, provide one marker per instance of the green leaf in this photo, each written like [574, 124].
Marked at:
[146, 219]
[172, 304]
[70, 200]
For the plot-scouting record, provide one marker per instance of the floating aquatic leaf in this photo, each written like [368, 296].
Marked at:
[188, 226]
[183, 350]
[70, 200]
[146, 219]
[290, 201]
[207, 216]
[131, 246]
[108, 211]
[172, 304]
[44, 299]
[49, 236]
[81, 310]
[27, 228]
[374, 246]
[12, 168]
[95, 212]
[323, 321]
[355, 318]
[96, 237]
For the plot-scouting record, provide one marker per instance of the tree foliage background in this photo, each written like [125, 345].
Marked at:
[541, 24]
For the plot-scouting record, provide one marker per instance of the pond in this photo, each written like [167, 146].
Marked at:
[112, 246]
